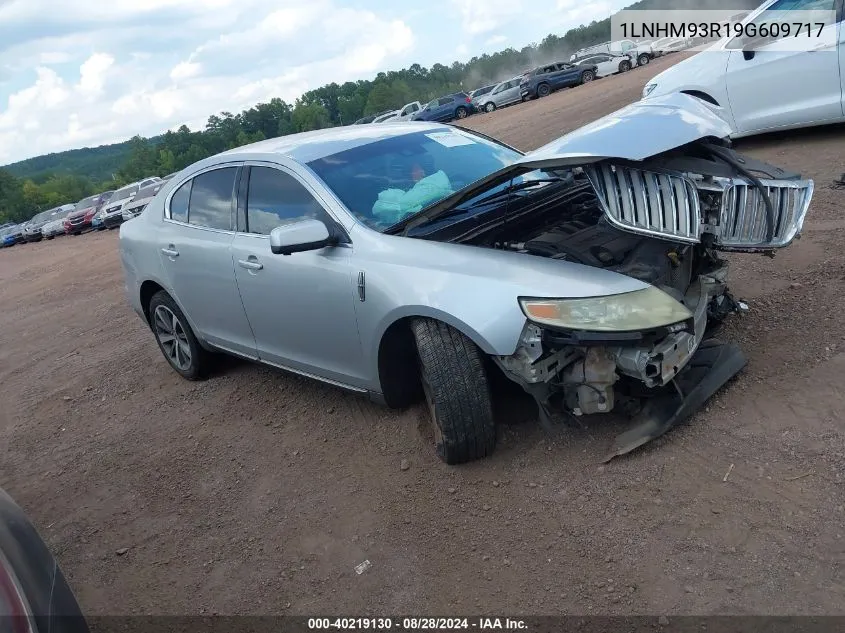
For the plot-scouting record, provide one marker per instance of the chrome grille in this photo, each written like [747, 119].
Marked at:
[663, 205]
[744, 221]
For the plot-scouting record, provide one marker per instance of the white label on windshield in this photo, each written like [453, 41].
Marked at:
[450, 139]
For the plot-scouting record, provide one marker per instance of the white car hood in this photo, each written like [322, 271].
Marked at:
[635, 132]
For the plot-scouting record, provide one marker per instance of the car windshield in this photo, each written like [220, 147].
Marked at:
[122, 194]
[90, 201]
[387, 181]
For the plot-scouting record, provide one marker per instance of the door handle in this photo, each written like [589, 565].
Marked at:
[250, 264]
[170, 251]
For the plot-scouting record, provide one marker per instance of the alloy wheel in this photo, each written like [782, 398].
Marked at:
[171, 335]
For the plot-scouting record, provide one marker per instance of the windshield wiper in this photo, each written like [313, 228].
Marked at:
[525, 184]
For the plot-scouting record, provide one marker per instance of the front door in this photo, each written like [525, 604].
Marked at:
[302, 306]
[758, 88]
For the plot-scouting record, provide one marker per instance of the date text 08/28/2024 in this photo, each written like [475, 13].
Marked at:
[416, 624]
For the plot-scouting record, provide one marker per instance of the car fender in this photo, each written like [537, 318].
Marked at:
[473, 289]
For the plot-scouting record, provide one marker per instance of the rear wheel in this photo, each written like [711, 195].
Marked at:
[457, 392]
[489, 107]
[643, 59]
[624, 66]
[175, 338]
[587, 76]
[544, 90]
[461, 113]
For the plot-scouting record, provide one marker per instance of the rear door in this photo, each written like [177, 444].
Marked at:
[566, 75]
[195, 253]
[755, 86]
[445, 110]
[510, 94]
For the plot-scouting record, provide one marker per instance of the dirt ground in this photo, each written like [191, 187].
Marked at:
[258, 492]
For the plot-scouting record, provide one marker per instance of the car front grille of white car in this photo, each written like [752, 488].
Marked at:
[669, 206]
[659, 204]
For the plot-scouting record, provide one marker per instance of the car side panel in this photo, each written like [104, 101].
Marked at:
[406, 277]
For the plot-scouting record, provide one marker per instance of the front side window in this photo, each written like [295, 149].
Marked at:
[384, 182]
[275, 198]
[211, 199]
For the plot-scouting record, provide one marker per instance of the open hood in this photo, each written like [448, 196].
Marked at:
[636, 132]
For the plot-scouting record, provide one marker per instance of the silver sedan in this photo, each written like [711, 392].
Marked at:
[414, 260]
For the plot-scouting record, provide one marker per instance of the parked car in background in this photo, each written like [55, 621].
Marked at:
[743, 81]
[141, 200]
[671, 45]
[7, 235]
[80, 220]
[478, 93]
[387, 116]
[457, 105]
[33, 230]
[586, 271]
[372, 117]
[640, 52]
[503, 94]
[606, 63]
[112, 212]
[407, 111]
[35, 596]
[56, 224]
[13, 235]
[544, 80]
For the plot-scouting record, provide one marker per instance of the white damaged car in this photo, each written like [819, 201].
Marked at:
[413, 260]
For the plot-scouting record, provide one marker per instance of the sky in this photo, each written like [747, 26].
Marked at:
[82, 73]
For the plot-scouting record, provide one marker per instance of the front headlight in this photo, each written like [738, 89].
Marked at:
[649, 88]
[639, 310]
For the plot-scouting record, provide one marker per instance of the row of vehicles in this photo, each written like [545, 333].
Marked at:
[584, 66]
[106, 210]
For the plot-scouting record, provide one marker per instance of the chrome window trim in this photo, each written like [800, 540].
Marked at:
[166, 214]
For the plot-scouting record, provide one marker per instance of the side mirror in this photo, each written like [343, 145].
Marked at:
[303, 235]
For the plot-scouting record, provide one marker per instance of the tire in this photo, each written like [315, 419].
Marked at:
[457, 392]
[51, 237]
[624, 66]
[643, 60]
[587, 76]
[167, 320]
[461, 113]
[489, 106]
[544, 90]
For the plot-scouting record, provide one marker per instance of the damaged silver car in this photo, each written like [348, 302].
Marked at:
[413, 260]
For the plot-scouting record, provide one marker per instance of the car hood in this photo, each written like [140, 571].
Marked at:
[78, 214]
[636, 132]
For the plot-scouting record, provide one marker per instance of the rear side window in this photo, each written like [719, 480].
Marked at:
[179, 203]
[275, 198]
[444, 101]
[211, 199]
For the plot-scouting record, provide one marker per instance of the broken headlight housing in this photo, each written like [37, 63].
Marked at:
[638, 310]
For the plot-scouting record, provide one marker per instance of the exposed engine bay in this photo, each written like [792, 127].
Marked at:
[664, 222]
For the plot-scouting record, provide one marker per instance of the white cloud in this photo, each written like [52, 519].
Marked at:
[92, 74]
[483, 16]
[496, 40]
[49, 58]
[119, 94]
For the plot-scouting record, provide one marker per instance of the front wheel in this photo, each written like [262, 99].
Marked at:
[643, 60]
[587, 77]
[489, 107]
[624, 67]
[457, 392]
[175, 338]
[461, 113]
[544, 90]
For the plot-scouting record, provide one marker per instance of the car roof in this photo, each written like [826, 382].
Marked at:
[307, 146]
